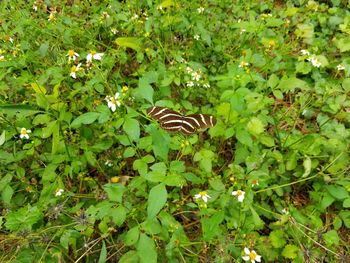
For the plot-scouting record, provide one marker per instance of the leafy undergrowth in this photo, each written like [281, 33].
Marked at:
[87, 176]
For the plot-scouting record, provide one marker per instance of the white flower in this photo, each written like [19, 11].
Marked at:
[196, 37]
[243, 64]
[242, 31]
[304, 52]
[93, 55]
[314, 61]
[189, 84]
[35, 7]
[340, 67]
[105, 15]
[72, 55]
[200, 10]
[114, 30]
[285, 211]
[239, 21]
[52, 16]
[74, 70]
[24, 133]
[134, 17]
[206, 85]
[202, 195]
[251, 255]
[109, 163]
[196, 75]
[113, 102]
[240, 195]
[2, 58]
[59, 192]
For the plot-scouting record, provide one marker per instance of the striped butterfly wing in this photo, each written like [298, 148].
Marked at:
[168, 119]
[173, 121]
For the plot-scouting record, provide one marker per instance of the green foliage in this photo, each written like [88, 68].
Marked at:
[86, 175]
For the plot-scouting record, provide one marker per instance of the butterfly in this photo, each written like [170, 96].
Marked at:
[173, 121]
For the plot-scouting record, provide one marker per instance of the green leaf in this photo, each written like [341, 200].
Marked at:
[55, 137]
[144, 90]
[130, 42]
[132, 236]
[161, 141]
[346, 203]
[244, 137]
[42, 101]
[290, 251]
[103, 253]
[129, 152]
[331, 238]
[132, 129]
[146, 249]
[7, 194]
[337, 192]
[130, 257]
[291, 84]
[255, 126]
[115, 192]
[86, 118]
[5, 181]
[48, 130]
[23, 218]
[210, 226]
[156, 200]
[343, 44]
[118, 215]
[205, 158]
[277, 238]
[307, 166]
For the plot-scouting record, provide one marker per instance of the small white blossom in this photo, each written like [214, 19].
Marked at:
[113, 102]
[202, 195]
[189, 70]
[24, 133]
[251, 256]
[93, 55]
[196, 75]
[59, 192]
[114, 30]
[74, 71]
[109, 163]
[189, 84]
[196, 37]
[2, 58]
[240, 195]
[200, 10]
[243, 64]
[134, 17]
[35, 7]
[314, 61]
[72, 55]
[105, 15]
[285, 211]
[206, 85]
[340, 67]
[239, 20]
[305, 52]
[242, 31]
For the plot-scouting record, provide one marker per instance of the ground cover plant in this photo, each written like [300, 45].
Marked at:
[88, 176]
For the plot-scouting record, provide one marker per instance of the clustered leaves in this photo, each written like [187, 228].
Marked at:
[85, 173]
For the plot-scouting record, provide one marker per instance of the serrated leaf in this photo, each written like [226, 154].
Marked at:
[277, 238]
[114, 192]
[156, 200]
[86, 118]
[290, 251]
[255, 126]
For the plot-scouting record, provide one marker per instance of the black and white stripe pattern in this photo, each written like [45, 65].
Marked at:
[173, 121]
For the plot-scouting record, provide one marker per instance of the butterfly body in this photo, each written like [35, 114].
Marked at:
[173, 121]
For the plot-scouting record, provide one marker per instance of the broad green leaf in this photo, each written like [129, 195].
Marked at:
[255, 126]
[205, 158]
[132, 236]
[290, 251]
[42, 101]
[48, 130]
[86, 118]
[23, 110]
[156, 200]
[130, 257]
[331, 238]
[129, 152]
[103, 253]
[130, 42]
[337, 192]
[132, 128]
[23, 218]
[5, 181]
[244, 137]
[277, 238]
[210, 226]
[144, 90]
[346, 203]
[161, 141]
[291, 84]
[7, 194]
[115, 192]
[118, 215]
[38, 89]
[146, 249]
[343, 44]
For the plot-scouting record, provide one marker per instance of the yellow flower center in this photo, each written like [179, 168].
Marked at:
[239, 192]
[93, 53]
[125, 88]
[203, 193]
[24, 131]
[71, 53]
[113, 100]
[252, 255]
